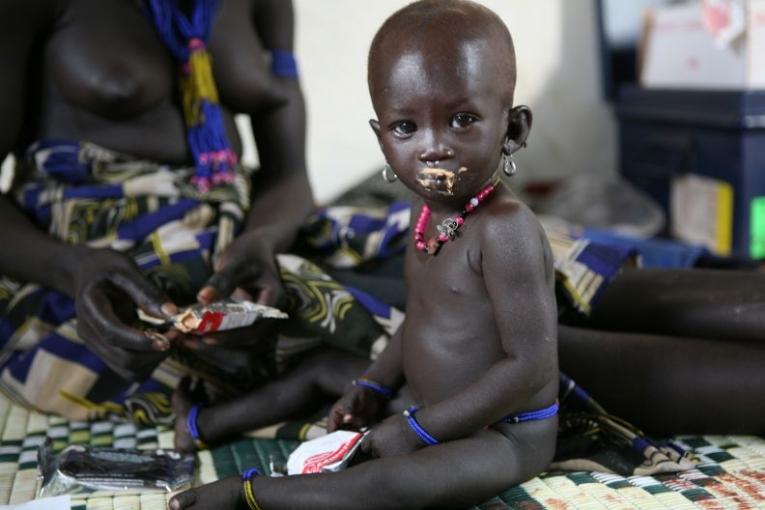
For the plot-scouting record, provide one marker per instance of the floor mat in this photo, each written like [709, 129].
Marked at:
[730, 471]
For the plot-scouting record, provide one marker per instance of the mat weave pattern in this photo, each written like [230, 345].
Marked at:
[730, 472]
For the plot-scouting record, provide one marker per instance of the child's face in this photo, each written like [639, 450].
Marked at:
[443, 116]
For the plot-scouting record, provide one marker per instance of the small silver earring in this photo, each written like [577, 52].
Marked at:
[508, 165]
[388, 175]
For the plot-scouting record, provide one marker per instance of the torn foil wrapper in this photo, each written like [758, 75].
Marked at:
[81, 469]
[329, 453]
[218, 316]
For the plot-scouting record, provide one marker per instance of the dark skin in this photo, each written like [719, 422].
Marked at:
[675, 351]
[61, 80]
[665, 383]
[479, 340]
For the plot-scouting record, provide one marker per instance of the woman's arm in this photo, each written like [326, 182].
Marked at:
[28, 254]
[282, 197]
[282, 194]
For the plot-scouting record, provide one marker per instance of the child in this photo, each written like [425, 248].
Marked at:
[478, 349]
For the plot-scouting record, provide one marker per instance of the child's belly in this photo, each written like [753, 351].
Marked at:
[445, 349]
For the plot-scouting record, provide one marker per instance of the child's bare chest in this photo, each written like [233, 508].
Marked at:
[450, 333]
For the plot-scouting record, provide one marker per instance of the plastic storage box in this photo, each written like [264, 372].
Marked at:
[701, 155]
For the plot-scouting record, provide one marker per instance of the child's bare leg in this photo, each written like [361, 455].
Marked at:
[315, 381]
[451, 475]
[698, 303]
[670, 385]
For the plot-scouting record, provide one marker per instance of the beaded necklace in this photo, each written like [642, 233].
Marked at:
[448, 228]
[186, 39]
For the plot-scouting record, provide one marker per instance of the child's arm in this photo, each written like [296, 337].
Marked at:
[361, 406]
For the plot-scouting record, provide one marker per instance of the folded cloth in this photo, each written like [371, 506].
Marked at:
[84, 194]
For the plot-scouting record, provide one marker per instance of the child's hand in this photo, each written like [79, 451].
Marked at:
[359, 407]
[391, 436]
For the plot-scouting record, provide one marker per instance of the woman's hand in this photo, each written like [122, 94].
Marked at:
[359, 407]
[247, 269]
[392, 436]
[108, 287]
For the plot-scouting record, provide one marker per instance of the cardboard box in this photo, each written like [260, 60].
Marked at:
[709, 44]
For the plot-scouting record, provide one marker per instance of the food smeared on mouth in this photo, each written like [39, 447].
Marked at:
[439, 179]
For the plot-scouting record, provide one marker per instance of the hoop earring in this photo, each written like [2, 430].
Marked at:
[388, 175]
[508, 165]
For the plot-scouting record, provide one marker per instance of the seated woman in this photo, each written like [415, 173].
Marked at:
[128, 189]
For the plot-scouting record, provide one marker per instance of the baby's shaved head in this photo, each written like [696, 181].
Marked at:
[443, 24]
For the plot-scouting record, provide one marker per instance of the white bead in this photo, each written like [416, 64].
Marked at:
[474, 202]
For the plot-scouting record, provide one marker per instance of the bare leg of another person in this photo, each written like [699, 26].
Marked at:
[317, 380]
[670, 385]
[696, 303]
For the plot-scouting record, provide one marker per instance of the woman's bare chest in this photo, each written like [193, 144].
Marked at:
[107, 57]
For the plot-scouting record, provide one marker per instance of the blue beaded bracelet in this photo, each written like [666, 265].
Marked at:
[249, 493]
[248, 474]
[192, 428]
[376, 387]
[283, 64]
[421, 432]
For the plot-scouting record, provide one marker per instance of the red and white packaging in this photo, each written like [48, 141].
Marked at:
[223, 315]
[219, 316]
[329, 453]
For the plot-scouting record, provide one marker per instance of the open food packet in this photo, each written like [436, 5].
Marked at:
[218, 316]
[330, 453]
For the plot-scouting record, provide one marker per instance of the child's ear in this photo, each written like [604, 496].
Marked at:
[375, 125]
[518, 128]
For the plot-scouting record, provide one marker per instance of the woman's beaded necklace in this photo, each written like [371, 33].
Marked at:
[448, 228]
[186, 39]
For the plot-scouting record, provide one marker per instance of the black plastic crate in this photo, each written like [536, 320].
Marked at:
[668, 135]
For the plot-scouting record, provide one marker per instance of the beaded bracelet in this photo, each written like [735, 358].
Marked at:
[249, 493]
[374, 386]
[192, 427]
[421, 432]
[283, 64]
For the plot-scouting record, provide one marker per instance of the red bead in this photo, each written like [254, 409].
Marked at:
[433, 245]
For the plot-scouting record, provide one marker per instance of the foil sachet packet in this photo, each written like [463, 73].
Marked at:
[80, 469]
[219, 316]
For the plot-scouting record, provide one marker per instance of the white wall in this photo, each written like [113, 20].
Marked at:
[558, 76]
